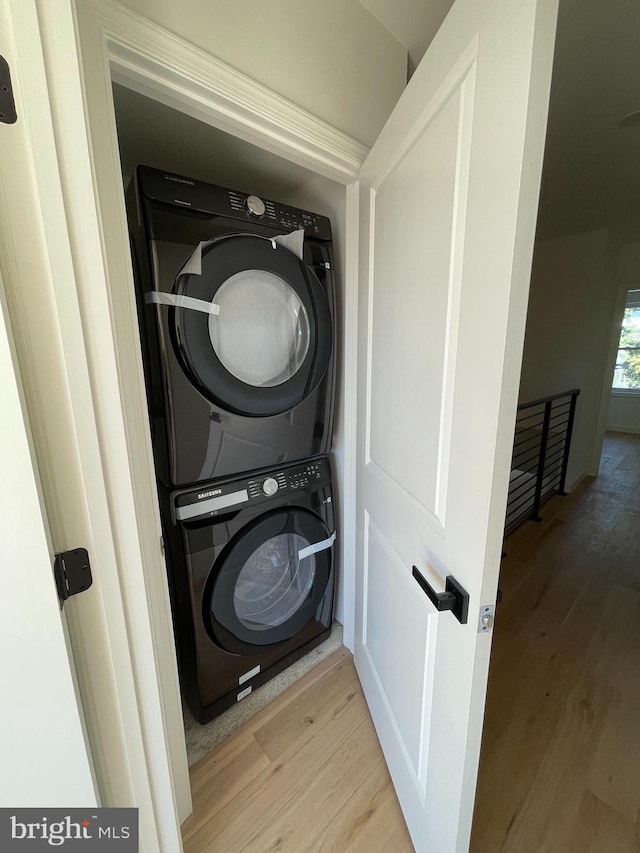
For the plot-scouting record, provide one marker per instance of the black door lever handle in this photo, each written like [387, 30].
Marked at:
[455, 598]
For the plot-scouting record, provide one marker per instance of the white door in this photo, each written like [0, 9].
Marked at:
[117, 676]
[44, 756]
[448, 203]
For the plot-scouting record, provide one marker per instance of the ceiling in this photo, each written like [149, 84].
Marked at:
[591, 175]
[412, 22]
[592, 167]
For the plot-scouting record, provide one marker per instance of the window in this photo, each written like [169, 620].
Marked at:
[627, 372]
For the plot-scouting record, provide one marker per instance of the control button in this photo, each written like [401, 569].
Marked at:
[255, 205]
[270, 486]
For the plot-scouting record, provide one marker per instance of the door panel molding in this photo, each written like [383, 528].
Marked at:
[457, 96]
[465, 129]
[399, 493]
[419, 625]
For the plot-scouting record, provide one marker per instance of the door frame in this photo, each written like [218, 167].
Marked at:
[40, 265]
[103, 41]
[619, 299]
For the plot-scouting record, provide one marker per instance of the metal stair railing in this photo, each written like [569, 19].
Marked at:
[541, 447]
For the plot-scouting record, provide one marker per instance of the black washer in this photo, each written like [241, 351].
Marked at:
[251, 578]
[295, 528]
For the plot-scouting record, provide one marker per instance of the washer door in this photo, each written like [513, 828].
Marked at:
[269, 343]
[269, 582]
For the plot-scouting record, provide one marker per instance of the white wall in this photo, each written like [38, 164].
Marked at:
[568, 327]
[413, 22]
[624, 413]
[332, 57]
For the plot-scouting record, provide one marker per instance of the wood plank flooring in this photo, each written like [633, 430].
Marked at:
[305, 775]
[560, 765]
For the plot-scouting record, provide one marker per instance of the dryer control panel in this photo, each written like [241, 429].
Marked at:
[226, 494]
[199, 196]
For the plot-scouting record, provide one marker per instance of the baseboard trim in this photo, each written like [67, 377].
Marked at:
[621, 428]
[569, 487]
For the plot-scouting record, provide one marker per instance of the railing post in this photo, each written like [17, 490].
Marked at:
[567, 444]
[541, 462]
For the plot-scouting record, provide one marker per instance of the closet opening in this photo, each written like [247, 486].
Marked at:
[153, 134]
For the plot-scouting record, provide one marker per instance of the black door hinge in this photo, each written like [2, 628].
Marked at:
[7, 104]
[72, 572]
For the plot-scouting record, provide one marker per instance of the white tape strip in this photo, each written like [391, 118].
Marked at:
[193, 266]
[318, 546]
[294, 241]
[182, 302]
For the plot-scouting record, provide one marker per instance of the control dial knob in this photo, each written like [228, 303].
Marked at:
[255, 206]
[270, 486]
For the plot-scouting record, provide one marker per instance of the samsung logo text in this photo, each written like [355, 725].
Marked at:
[179, 180]
[210, 494]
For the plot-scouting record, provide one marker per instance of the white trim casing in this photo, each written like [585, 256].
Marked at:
[156, 63]
[349, 408]
[49, 344]
[114, 41]
[619, 301]
[113, 648]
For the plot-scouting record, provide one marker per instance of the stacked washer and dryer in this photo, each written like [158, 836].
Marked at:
[236, 307]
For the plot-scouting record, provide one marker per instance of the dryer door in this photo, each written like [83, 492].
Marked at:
[270, 581]
[252, 325]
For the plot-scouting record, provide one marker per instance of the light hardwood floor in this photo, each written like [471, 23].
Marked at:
[305, 775]
[560, 765]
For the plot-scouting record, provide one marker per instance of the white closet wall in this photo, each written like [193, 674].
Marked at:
[331, 58]
[324, 196]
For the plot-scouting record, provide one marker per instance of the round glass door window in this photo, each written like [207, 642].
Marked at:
[269, 582]
[270, 343]
[261, 335]
[274, 583]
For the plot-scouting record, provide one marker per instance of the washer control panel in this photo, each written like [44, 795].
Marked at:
[230, 495]
[255, 205]
[270, 486]
[302, 477]
[289, 479]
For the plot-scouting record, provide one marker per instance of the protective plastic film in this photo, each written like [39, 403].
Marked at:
[274, 583]
[261, 334]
